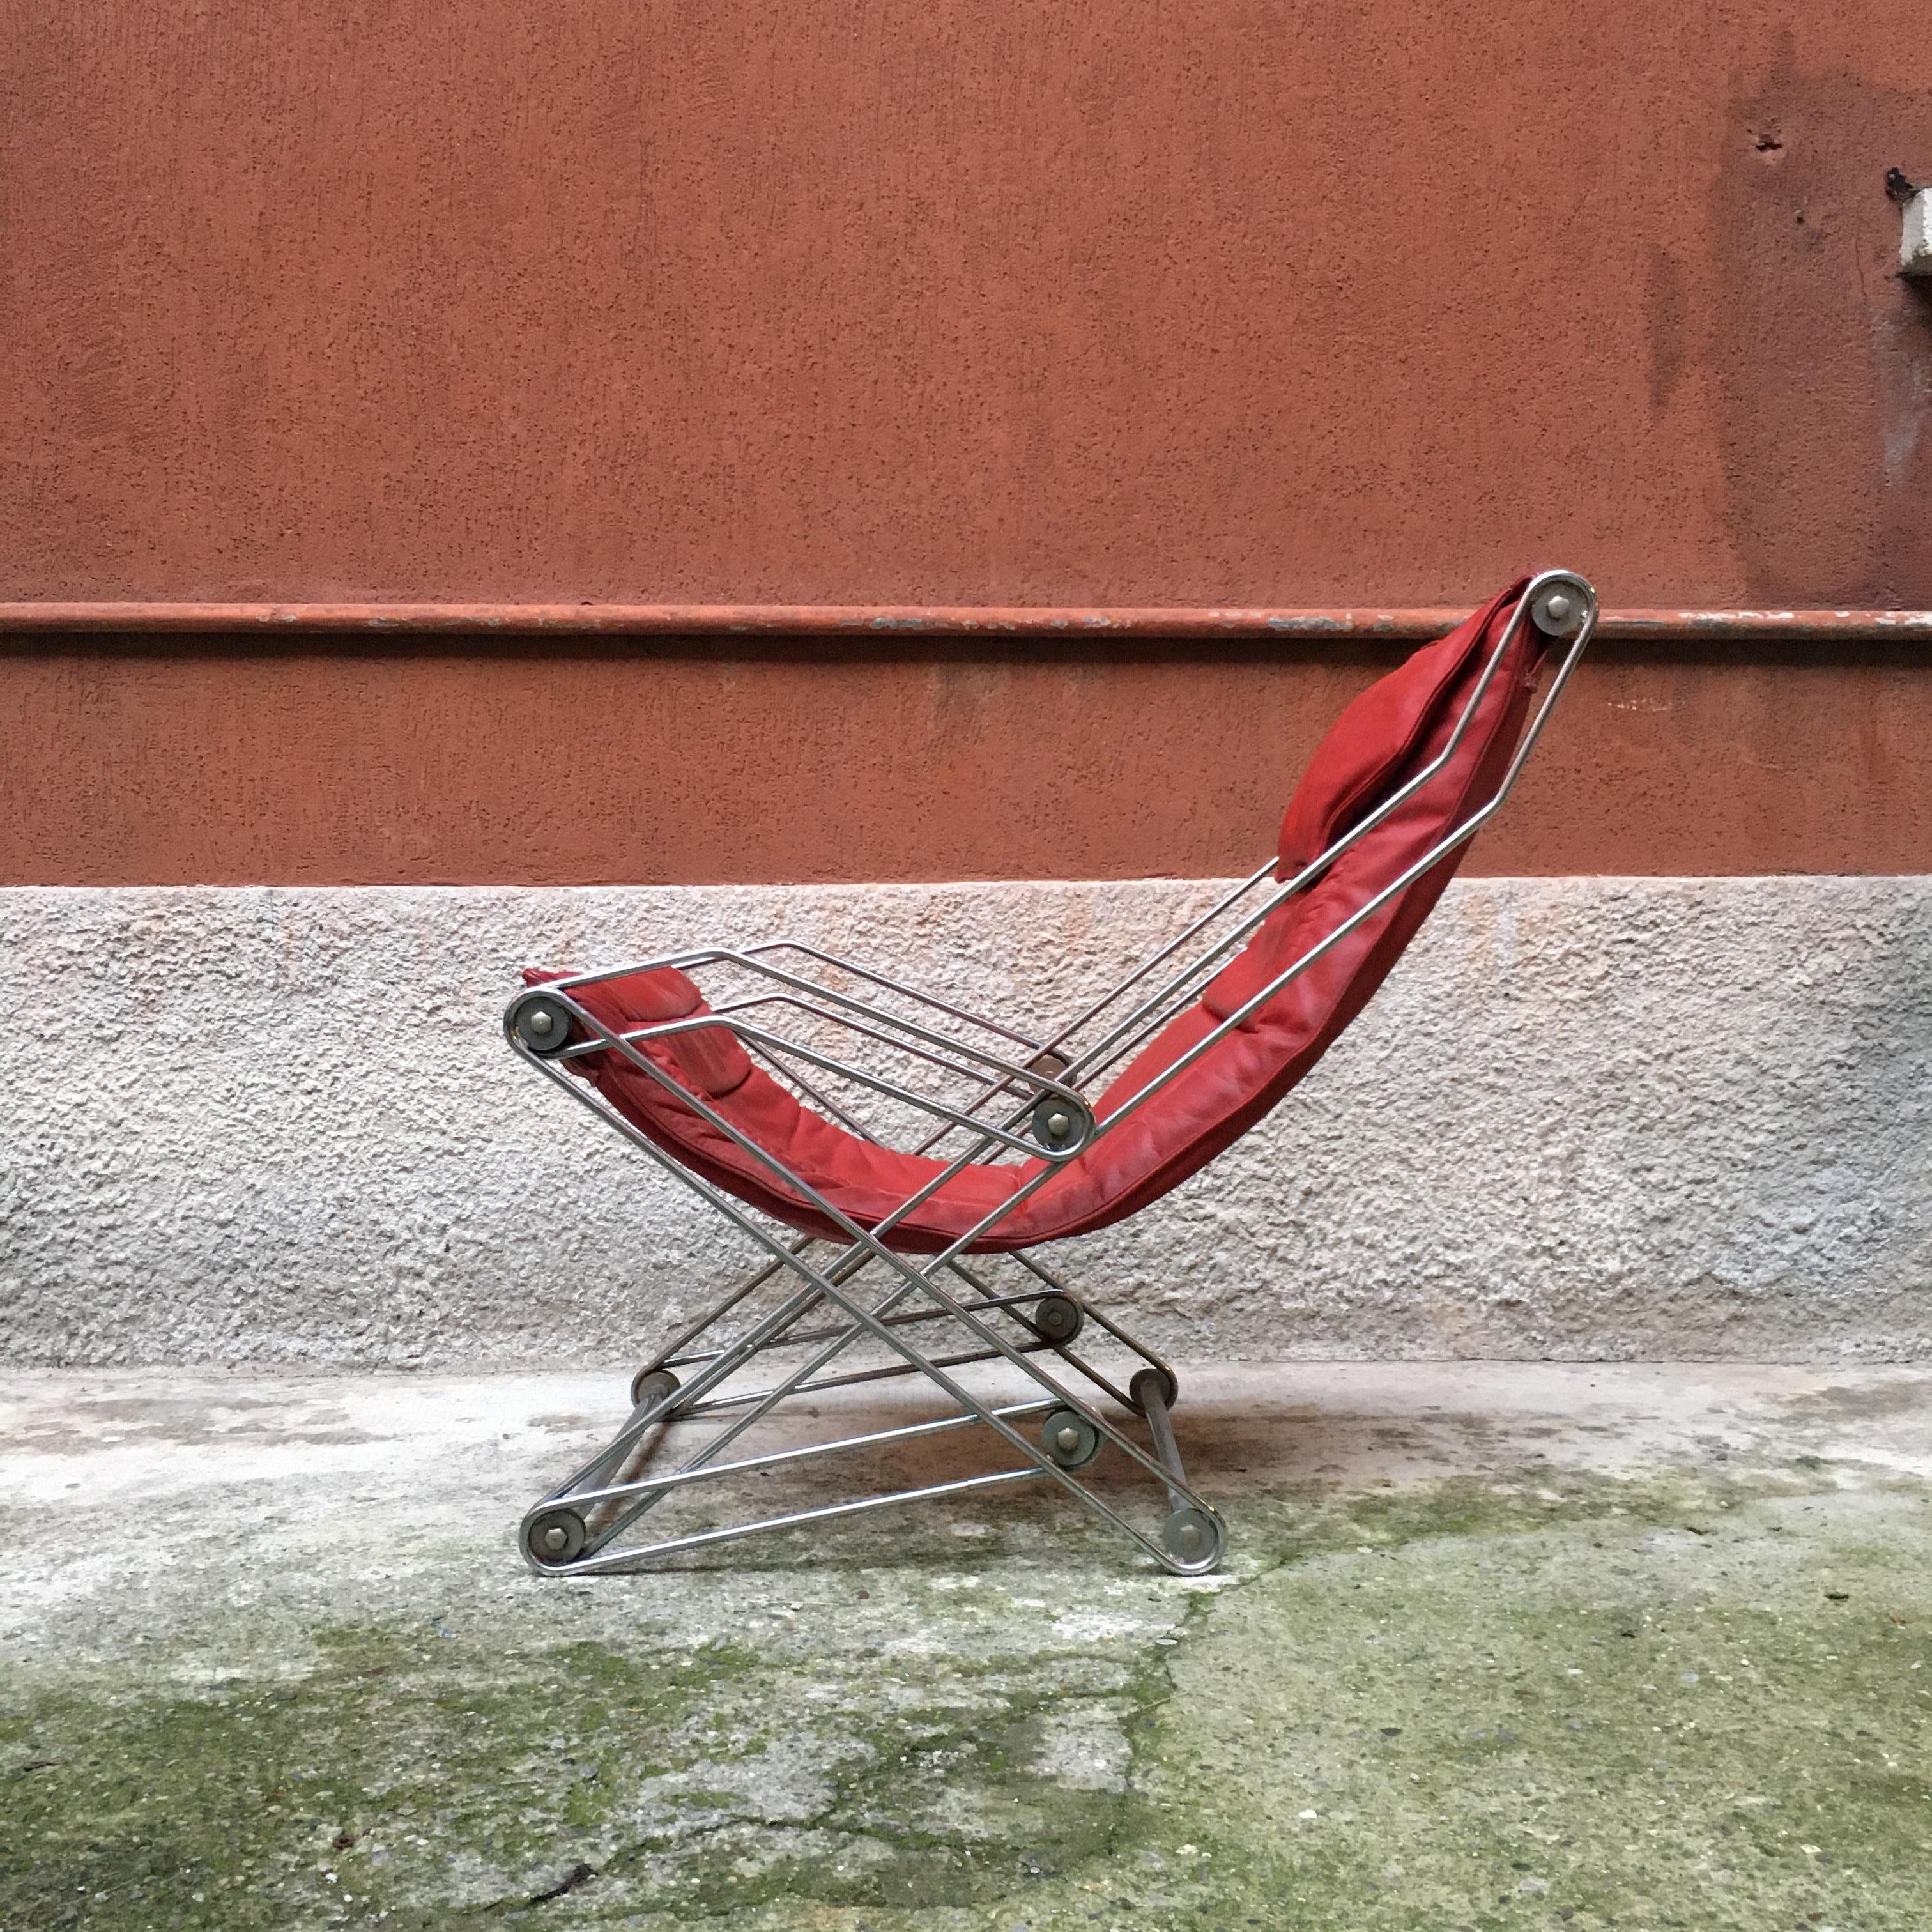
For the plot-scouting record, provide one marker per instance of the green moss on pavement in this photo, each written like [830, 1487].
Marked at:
[1684, 1701]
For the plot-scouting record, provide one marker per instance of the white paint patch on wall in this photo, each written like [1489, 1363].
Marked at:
[1586, 1118]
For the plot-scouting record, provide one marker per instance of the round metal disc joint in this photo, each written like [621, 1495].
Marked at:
[1160, 1382]
[1558, 609]
[1058, 1318]
[1193, 1538]
[1071, 1440]
[1060, 1123]
[556, 1536]
[543, 1024]
[653, 1386]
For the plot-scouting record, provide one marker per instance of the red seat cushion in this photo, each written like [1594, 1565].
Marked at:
[1383, 739]
[708, 1058]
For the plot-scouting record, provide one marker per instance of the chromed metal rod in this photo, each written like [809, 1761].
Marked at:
[808, 993]
[878, 978]
[906, 1318]
[717, 1404]
[612, 1559]
[1089, 1311]
[1128, 1031]
[1016, 1411]
[1160, 1426]
[727, 1019]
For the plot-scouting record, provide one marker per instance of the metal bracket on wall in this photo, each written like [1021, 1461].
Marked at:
[1915, 239]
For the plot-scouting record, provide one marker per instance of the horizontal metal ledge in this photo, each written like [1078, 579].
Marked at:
[834, 620]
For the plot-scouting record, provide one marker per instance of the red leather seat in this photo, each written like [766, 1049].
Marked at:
[1384, 738]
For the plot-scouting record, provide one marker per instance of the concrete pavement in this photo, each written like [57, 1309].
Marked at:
[1497, 1646]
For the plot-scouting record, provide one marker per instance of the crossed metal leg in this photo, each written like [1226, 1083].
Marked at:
[1058, 1433]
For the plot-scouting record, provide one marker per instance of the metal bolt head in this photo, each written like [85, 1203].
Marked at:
[1066, 1437]
[1192, 1538]
[1560, 608]
[540, 1021]
[1059, 1126]
[555, 1538]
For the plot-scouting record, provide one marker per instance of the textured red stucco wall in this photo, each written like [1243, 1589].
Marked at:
[598, 764]
[1283, 302]
[1273, 301]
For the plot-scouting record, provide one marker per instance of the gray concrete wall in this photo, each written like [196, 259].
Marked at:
[1587, 1118]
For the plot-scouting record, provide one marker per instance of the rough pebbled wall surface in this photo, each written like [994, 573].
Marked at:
[1586, 1117]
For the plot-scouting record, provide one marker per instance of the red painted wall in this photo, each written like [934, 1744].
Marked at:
[600, 764]
[1287, 302]
[1271, 302]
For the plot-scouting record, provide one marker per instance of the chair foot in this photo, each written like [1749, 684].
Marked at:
[1193, 1538]
[552, 1537]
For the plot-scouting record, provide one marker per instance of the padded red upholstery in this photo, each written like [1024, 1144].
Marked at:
[1387, 735]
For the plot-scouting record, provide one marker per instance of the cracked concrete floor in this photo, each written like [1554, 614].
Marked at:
[1496, 1646]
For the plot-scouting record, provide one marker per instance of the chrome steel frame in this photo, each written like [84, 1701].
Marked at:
[576, 1529]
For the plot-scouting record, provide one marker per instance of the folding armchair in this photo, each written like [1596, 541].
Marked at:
[895, 1160]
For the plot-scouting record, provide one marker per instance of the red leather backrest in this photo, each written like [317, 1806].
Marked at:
[1389, 735]
[1372, 747]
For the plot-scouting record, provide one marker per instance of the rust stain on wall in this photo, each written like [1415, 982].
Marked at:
[1822, 353]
